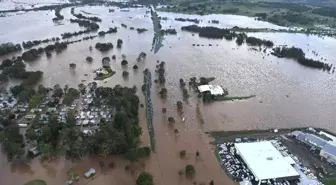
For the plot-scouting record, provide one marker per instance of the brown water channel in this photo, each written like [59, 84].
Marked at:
[310, 100]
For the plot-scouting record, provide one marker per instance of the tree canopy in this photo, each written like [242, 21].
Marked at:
[145, 178]
[12, 142]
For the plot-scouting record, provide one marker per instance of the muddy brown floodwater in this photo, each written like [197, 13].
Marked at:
[291, 95]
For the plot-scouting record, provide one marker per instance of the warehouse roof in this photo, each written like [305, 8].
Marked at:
[265, 161]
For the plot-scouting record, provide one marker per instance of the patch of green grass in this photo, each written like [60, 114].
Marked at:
[329, 181]
[36, 182]
[232, 98]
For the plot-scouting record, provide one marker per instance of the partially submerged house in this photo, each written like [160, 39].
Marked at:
[211, 92]
[90, 173]
[214, 90]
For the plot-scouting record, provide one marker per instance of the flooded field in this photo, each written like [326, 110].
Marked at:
[287, 94]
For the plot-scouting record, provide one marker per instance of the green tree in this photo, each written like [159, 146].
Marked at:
[211, 182]
[163, 93]
[179, 105]
[45, 149]
[190, 169]
[125, 74]
[182, 153]
[41, 90]
[171, 120]
[164, 110]
[144, 178]
[34, 101]
[70, 118]
[101, 164]
[111, 165]
[31, 134]
[12, 142]
[197, 154]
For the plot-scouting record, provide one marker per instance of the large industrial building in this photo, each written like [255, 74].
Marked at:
[266, 162]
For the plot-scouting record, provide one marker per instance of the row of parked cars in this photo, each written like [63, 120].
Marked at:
[232, 162]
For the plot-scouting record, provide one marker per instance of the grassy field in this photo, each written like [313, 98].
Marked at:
[232, 98]
[36, 182]
[329, 181]
[225, 136]
[284, 14]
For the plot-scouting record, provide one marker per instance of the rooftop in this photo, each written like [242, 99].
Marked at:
[265, 161]
[213, 89]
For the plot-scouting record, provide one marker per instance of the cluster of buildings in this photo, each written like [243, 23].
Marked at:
[321, 142]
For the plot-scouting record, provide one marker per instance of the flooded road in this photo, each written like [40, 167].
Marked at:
[287, 94]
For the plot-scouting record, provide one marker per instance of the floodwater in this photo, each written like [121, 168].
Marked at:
[287, 94]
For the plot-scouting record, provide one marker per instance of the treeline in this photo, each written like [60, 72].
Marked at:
[220, 33]
[87, 24]
[104, 46]
[9, 48]
[90, 26]
[258, 42]
[111, 30]
[196, 21]
[209, 31]
[290, 18]
[141, 30]
[168, 31]
[81, 16]
[29, 44]
[58, 14]
[299, 56]
[33, 54]
[325, 11]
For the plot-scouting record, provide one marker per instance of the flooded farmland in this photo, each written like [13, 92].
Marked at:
[287, 94]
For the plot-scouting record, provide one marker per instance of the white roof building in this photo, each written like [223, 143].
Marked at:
[213, 89]
[265, 161]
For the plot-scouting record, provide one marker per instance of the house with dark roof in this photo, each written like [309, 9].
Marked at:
[329, 152]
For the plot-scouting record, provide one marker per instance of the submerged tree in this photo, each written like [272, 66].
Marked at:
[182, 153]
[119, 43]
[145, 178]
[163, 93]
[72, 66]
[124, 62]
[125, 74]
[171, 120]
[179, 105]
[164, 110]
[89, 59]
[190, 169]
